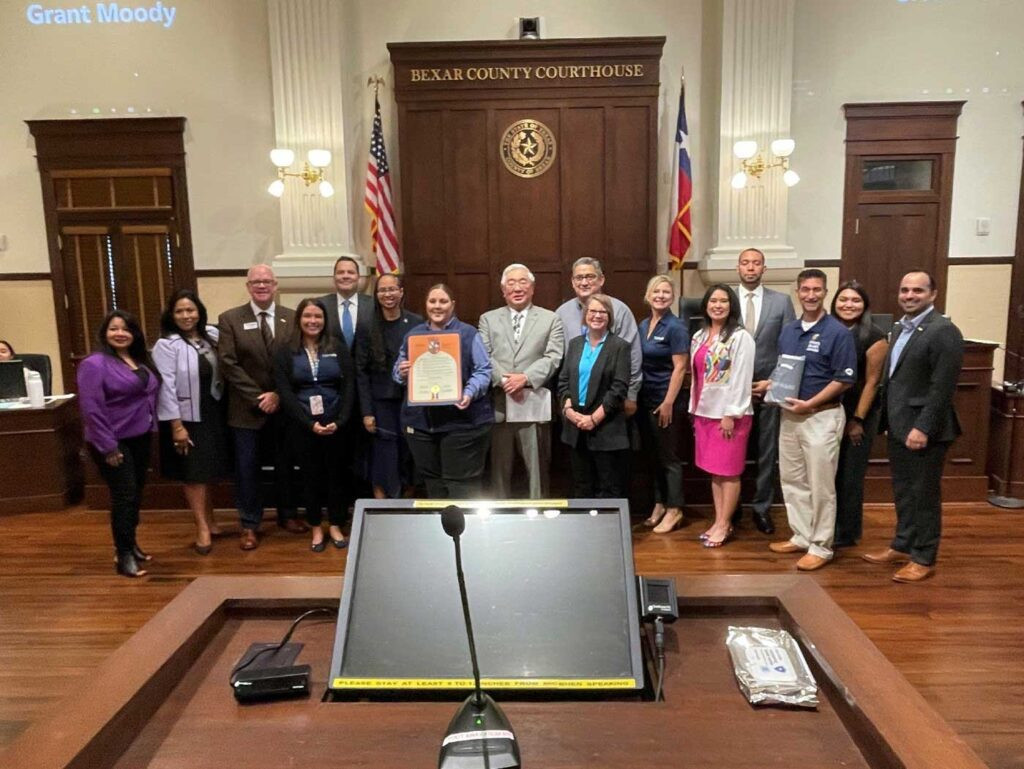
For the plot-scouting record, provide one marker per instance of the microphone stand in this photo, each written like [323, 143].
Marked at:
[478, 695]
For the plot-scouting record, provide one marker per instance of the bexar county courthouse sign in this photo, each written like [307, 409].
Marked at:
[549, 72]
[157, 13]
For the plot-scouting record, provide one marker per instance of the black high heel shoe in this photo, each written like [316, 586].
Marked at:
[127, 566]
[140, 554]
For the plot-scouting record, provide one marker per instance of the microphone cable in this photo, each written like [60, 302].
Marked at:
[659, 645]
[280, 645]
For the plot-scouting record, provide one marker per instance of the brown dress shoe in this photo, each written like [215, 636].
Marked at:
[913, 572]
[886, 556]
[293, 526]
[785, 547]
[249, 540]
[811, 562]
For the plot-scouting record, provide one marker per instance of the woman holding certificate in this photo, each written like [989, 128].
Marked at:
[316, 382]
[722, 355]
[447, 415]
[592, 387]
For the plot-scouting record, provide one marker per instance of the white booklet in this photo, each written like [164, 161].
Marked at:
[785, 379]
[536, 406]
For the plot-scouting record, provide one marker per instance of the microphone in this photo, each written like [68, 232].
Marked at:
[479, 734]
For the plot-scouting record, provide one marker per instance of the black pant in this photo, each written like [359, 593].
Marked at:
[766, 426]
[125, 483]
[917, 492]
[600, 474]
[660, 443]
[320, 457]
[451, 463]
[853, 463]
[254, 448]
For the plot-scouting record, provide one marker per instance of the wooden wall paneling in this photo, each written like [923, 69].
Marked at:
[423, 204]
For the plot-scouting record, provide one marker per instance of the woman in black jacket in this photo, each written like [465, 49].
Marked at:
[592, 387]
[316, 382]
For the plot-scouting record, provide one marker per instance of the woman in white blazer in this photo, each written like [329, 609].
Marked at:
[722, 355]
[193, 445]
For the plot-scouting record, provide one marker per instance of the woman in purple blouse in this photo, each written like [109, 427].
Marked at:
[117, 391]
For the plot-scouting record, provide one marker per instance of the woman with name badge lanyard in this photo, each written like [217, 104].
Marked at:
[315, 379]
[722, 355]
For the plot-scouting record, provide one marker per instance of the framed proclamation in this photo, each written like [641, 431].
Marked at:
[435, 376]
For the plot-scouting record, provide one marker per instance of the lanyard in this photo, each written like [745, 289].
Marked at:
[314, 362]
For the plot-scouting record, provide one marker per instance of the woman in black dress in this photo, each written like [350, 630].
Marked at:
[852, 307]
[193, 440]
[380, 397]
[315, 380]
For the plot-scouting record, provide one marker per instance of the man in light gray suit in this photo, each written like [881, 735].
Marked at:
[525, 343]
[764, 313]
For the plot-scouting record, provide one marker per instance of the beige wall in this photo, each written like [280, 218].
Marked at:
[28, 322]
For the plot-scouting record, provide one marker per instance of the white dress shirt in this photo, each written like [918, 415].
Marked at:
[742, 292]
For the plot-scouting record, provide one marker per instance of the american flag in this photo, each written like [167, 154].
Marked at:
[680, 237]
[383, 237]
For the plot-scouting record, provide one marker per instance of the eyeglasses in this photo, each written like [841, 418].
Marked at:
[588, 278]
[520, 283]
[389, 290]
[261, 282]
[597, 313]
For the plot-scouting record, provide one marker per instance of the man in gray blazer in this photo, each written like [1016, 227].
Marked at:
[918, 384]
[249, 336]
[525, 343]
[764, 312]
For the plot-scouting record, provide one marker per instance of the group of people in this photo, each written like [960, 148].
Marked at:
[289, 388]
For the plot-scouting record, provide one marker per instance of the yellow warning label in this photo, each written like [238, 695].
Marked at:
[487, 683]
[440, 504]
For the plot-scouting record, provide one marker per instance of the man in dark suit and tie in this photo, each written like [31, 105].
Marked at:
[249, 336]
[349, 318]
[764, 313]
[918, 384]
[525, 343]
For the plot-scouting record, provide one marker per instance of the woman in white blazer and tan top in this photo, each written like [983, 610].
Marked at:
[193, 440]
[722, 355]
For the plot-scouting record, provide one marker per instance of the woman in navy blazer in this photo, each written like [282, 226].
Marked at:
[592, 388]
[193, 439]
[316, 382]
[117, 391]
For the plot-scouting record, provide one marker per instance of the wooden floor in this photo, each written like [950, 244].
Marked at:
[958, 638]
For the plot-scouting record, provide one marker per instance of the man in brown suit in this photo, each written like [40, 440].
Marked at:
[249, 335]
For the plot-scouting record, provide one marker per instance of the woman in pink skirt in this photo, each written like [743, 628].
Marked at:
[722, 355]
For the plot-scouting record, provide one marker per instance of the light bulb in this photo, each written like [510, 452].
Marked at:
[790, 178]
[783, 148]
[319, 158]
[739, 180]
[745, 150]
[326, 189]
[282, 158]
[276, 188]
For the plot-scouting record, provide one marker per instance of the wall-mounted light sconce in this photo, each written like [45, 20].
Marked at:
[754, 164]
[312, 171]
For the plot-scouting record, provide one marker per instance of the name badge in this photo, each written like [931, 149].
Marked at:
[251, 325]
[316, 405]
[814, 346]
[659, 339]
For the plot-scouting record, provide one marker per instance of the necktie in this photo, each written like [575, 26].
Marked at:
[517, 327]
[268, 335]
[751, 320]
[346, 322]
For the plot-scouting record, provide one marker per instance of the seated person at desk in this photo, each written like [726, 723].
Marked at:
[6, 351]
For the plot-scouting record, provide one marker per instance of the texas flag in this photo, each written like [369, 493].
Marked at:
[680, 237]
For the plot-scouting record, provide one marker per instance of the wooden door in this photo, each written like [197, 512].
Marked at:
[888, 240]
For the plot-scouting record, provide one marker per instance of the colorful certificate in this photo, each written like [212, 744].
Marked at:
[435, 377]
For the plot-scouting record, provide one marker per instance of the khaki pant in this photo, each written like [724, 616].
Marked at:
[808, 457]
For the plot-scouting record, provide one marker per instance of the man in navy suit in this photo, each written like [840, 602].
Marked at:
[764, 313]
[918, 383]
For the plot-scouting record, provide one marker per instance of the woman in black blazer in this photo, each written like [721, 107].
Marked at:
[316, 381]
[594, 424]
[380, 397]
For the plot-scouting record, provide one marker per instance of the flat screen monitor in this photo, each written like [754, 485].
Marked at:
[12, 379]
[551, 591]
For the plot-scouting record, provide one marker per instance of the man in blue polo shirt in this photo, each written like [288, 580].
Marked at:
[812, 424]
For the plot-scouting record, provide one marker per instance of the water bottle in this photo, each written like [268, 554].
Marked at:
[34, 386]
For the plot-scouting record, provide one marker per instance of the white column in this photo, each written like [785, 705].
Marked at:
[306, 69]
[756, 89]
